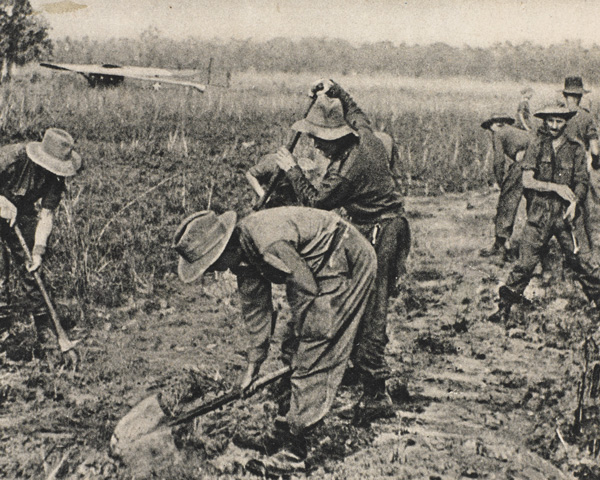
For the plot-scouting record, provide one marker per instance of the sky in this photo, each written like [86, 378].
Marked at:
[477, 23]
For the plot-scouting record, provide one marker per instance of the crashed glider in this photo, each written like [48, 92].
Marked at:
[111, 75]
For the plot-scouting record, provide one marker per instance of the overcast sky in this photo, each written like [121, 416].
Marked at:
[456, 22]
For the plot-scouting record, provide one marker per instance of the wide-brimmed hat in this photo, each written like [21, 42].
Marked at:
[498, 117]
[200, 240]
[325, 120]
[555, 110]
[574, 86]
[55, 153]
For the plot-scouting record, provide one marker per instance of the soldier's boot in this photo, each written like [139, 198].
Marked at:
[497, 249]
[267, 443]
[507, 298]
[375, 403]
[289, 457]
[502, 314]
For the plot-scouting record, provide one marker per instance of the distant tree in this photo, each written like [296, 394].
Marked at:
[24, 36]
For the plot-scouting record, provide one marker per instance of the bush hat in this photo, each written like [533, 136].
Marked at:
[574, 86]
[555, 110]
[200, 240]
[498, 117]
[325, 120]
[55, 153]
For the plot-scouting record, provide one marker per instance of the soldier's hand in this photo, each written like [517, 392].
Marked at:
[7, 210]
[36, 262]
[285, 159]
[569, 216]
[566, 193]
[325, 87]
[249, 378]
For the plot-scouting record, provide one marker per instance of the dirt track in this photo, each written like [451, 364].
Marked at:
[484, 402]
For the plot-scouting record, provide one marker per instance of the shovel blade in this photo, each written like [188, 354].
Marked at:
[140, 440]
[140, 421]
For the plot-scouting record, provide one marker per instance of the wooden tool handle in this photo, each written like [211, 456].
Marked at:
[63, 340]
[280, 175]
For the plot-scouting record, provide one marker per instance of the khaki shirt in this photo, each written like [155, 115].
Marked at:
[291, 245]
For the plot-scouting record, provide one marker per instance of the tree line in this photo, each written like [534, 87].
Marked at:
[503, 61]
[24, 37]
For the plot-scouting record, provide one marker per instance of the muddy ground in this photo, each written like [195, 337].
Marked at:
[473, 399]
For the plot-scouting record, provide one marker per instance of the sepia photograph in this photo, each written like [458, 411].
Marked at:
[287, 239]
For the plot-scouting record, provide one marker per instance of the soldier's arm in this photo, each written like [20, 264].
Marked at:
[42, 232]
[581, 176]
[299, 276]
[562, 190]
[499, 159]
[257, 310]
[334, 192]
[255, 184]
[353, 114]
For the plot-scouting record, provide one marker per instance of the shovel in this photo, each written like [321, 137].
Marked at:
[67, 347]
[145, 432]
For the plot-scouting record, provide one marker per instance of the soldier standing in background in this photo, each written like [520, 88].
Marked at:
[555, 179]
[358, 179]
[524, 119]
[582, 128]
[509, 144]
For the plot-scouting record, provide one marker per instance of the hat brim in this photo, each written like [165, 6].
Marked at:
[578, 91]
[62, 168]
[488, 123]
[323, 133]
[190, 271]
[565, 115]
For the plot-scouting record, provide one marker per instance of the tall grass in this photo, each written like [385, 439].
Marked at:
[153, 157]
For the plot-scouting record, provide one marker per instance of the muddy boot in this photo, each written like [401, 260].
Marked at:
[267, 443]
[290, 458]
[502, 314]
[375, 403]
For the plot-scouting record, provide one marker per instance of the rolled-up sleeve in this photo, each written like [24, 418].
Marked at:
[257, 309]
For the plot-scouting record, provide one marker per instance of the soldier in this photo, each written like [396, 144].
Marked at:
[555, 179]
[329, 270]
[358, 179]
[582, 129]
[509, 145]
[28, 173]
[524, 120]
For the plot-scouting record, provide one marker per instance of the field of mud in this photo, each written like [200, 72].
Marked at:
[473, 400]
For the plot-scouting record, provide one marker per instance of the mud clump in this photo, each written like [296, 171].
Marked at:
[435, 345]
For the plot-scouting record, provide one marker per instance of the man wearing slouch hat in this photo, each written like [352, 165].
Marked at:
[31, 174]
[358, 179]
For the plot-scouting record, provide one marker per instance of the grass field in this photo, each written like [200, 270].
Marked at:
[153, 157]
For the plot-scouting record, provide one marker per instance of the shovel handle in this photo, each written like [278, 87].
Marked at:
[280, 175]
[63, 340]
[229, 397]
